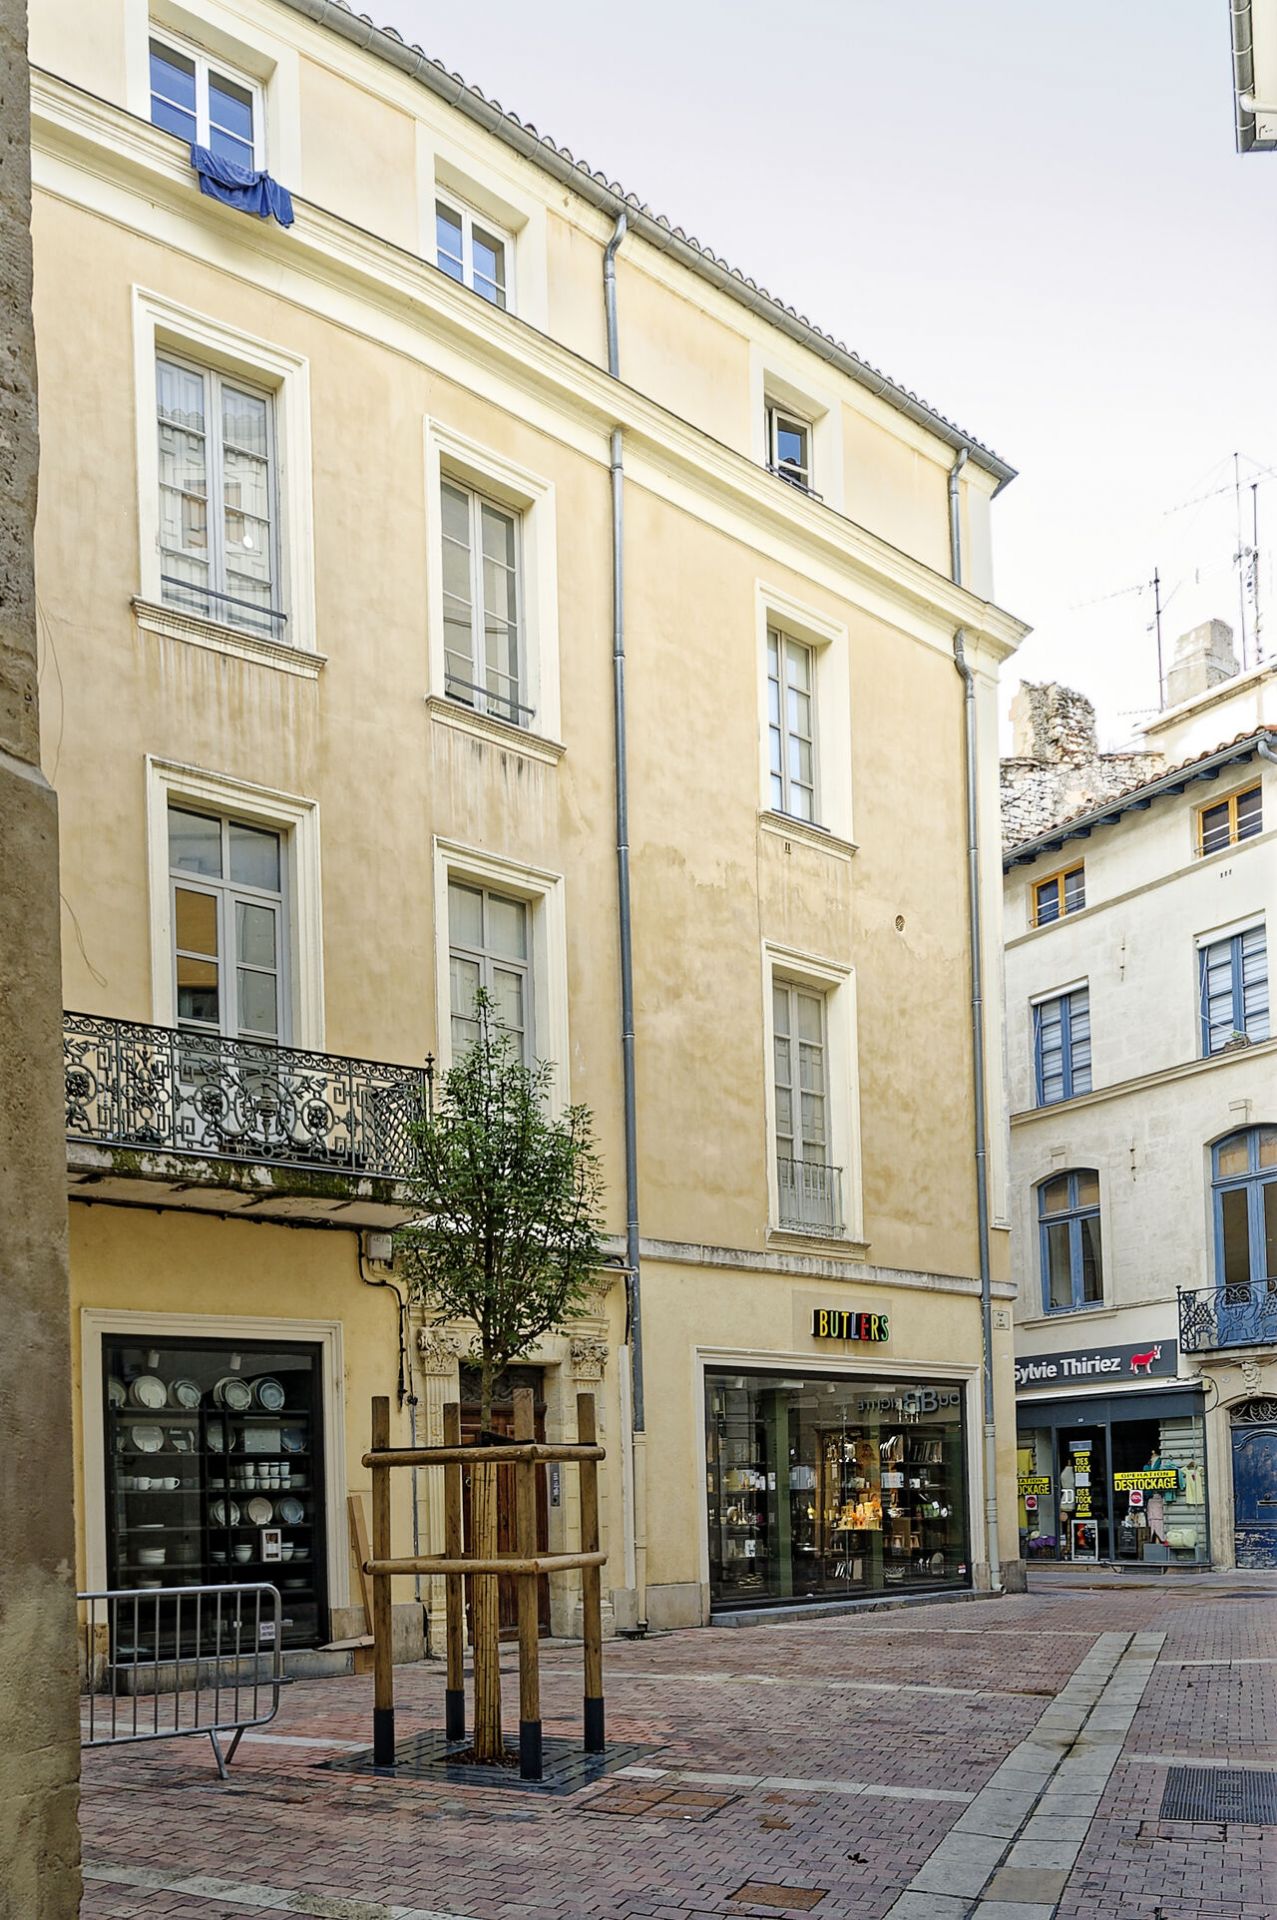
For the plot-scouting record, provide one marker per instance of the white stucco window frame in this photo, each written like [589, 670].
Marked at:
[836, 981]
[160, 323]
[830, 646]
[290, 814]
[543, 892]
[776, 382]
[97, 1322]
[451, 455]
[447, 169]
[240, 44]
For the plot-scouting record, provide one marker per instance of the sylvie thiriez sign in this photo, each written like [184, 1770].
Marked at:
[1085, 1366]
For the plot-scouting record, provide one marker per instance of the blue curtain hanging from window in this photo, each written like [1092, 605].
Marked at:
[249, 190]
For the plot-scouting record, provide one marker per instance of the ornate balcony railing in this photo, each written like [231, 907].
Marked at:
[1239, 1316]
[810, 1196]
[159, 1090]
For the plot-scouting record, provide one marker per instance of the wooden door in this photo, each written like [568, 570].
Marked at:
[503, 1423]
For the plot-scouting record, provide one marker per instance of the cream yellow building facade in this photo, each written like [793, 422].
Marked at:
[332, 756]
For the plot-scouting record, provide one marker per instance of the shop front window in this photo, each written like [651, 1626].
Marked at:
[1037, 1487]
[818, 1488]
[1159, 1490]
[213, 1449]
[1080, 1460]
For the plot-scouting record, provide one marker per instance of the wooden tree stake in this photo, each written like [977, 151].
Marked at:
[383, 1716]
[525, 1537]
[455, 1692]
[591, 1581]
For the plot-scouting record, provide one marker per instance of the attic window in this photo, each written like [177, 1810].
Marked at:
[1239, 817]
[1059, 894]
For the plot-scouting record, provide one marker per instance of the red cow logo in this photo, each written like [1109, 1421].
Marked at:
[1143, 1362]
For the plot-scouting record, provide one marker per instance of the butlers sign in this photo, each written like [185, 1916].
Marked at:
[1089, 1366]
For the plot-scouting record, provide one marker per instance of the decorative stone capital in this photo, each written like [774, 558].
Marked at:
[1251, 1376]
[438, 1351]
[587, 1355]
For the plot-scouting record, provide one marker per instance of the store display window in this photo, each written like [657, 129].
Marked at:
[818, 1488]
[212, 1449]
[1115, 1489]
[1159, 1490]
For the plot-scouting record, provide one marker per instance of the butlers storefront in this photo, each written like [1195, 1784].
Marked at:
[1114, 1469]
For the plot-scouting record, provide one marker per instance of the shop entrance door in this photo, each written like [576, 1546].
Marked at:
[1083, 1470]
[1254, 1430]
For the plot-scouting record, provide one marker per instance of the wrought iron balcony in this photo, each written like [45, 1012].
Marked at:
[158, 1090]
[1237, 1316]
[810, 1196]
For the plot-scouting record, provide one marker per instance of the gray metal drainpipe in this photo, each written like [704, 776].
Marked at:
[977, 1043]
[633, 1289]
[1265, 751]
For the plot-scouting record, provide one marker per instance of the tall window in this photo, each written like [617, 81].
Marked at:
[1233, 982]
[471, 251]
[482, 605]
[1062, 1046]
[1245, 1168]
[206, 106]
[488, 948]
[809, 1188]
[229, 929]
[1069, 1225]
[1058, 894]
[791, 677]
[1239, 817]
[218, 509]
[789, 447]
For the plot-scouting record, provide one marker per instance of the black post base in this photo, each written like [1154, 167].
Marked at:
[530, 1767]
[383, 1736]
[454, 1713]
[595, 1738]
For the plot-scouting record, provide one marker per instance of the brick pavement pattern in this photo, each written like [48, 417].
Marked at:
[824, 1758]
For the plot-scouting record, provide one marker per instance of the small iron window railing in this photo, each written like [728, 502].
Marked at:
[810, 1196]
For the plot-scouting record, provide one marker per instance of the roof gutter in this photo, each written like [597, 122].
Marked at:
[1260, 742]
[1244, 106]
[608, 198]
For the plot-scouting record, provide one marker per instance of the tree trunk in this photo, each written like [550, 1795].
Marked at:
[484, 1603]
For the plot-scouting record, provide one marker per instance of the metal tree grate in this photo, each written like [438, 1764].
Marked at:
[433, 1757]
[1220, 1793]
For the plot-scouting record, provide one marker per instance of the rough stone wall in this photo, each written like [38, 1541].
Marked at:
[1057, 769]
[39, 1718]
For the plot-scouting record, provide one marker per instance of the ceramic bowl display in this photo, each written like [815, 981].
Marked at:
[243, 1552]
[186, 1394]
[269, 1393]
[233, 1393]
[148, 1391]
[147, 1439]
[291, 1512]
[150, 1585]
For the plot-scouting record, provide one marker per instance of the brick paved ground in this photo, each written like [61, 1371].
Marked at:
[851, 1746]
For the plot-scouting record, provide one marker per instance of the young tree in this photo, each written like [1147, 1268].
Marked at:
[508, 1235]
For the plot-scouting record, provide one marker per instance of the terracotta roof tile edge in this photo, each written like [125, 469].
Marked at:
[657, 228]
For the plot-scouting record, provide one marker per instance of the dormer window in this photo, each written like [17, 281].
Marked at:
[789, 447]
[473, 251]
[1059, 894]
[206, 106]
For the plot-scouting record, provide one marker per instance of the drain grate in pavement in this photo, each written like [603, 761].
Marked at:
[434, 1758]
[770, 1893]
[1220, 1793]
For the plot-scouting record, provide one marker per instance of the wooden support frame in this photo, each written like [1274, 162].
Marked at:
[525, 1454]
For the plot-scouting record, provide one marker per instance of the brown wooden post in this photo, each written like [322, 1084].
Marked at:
[525, 1516]
[591, 1580]
[454, 1699]
[383, 1712]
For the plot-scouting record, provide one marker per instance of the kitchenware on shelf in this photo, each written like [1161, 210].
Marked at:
[260, 1511]
[148, 1526]
[219, 1556]
[219, 1440]
[181, 1440]
[217, 1486]
[269, 1393]
[149, 1391]
[186, 1394]
[293, 1440]
[298, 1580]
[233, 1393]
[151, 1556]
[223, 1513]
[186, 1553]
[170, 1483]
[243, 1552]
[146, 1439]
[116, 1392]
[260, 1439]
[285, 1549]
[150, 1585]
[291, 1512]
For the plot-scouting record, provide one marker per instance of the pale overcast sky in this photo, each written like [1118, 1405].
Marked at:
[1032, 215]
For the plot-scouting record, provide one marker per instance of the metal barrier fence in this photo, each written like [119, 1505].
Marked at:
[164, 1662]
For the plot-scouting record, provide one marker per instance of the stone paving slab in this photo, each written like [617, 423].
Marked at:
[858, 1756]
